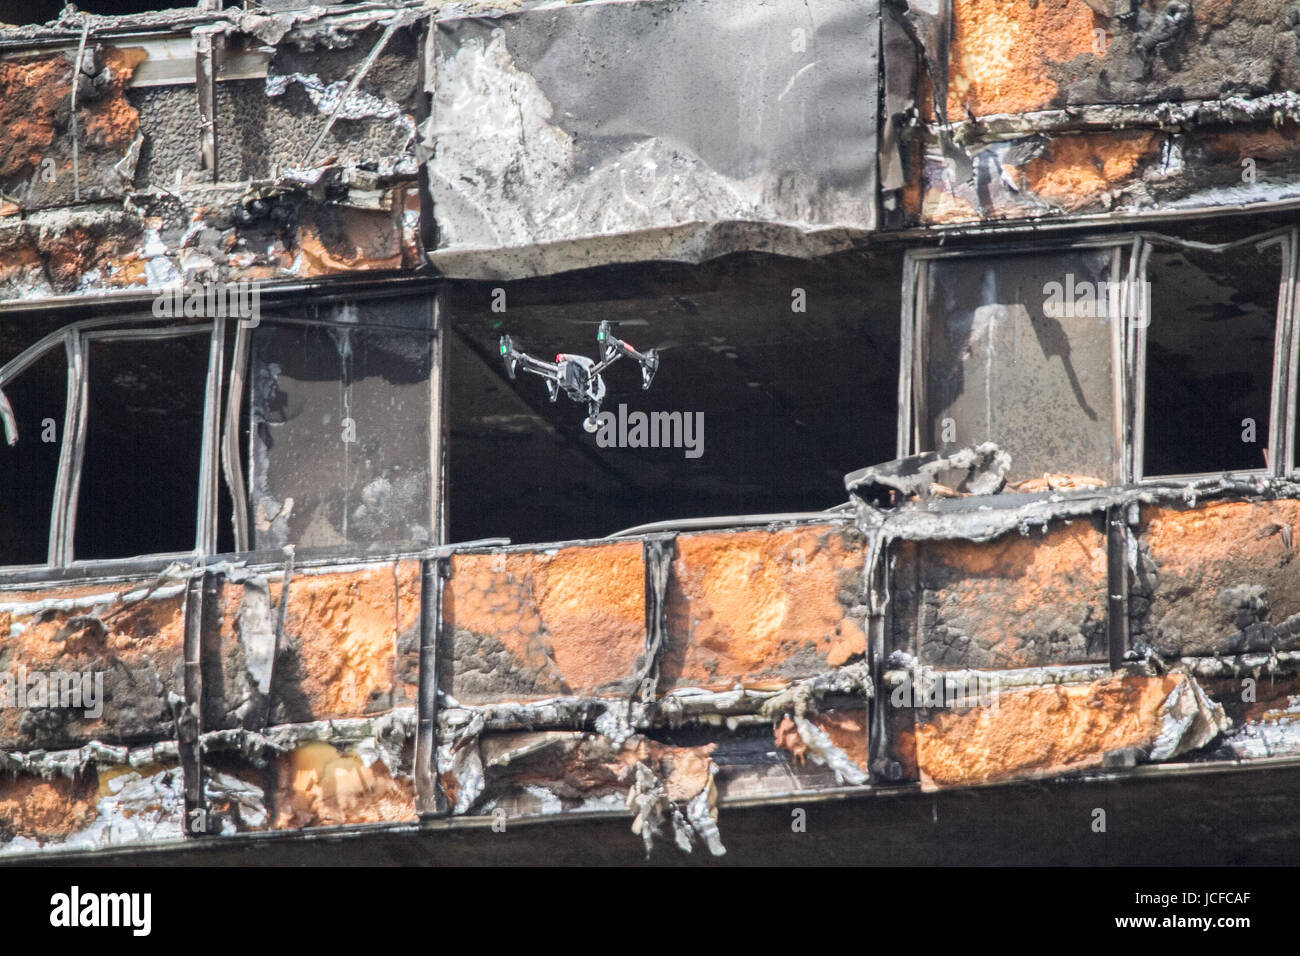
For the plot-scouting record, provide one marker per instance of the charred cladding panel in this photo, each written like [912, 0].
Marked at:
[341, 427]
[616, 132]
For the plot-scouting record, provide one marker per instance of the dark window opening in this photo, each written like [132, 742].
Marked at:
[1017, 350]
[144, 429]
[791, 365]
[225, 524]
[341, 429]
[1209, 359]
[29, 468]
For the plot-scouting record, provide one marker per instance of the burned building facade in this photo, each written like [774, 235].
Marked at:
[986, 313]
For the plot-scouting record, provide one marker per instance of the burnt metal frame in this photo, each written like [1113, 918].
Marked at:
[1284, 389]
[1131, 302]
[911, 372]
[75, 339]
[220, 446]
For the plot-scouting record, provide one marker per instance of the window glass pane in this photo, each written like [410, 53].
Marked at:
[1018, 351]
[1210, 359]
[340, 418]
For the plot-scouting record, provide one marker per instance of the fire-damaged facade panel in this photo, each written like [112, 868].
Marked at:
[952, 445]
[572, 136]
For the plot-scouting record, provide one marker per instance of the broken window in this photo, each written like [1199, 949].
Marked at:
[139, 481]
[341, 398]
[787, 371]
[339, 430]
[1210, 339]
[109, 434]
[1017, 348]
[29, 457]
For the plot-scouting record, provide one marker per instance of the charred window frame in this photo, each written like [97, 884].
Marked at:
[1138, 302]
[325, 330]
[76, 340]
[1281, 392]
[929, 272]
[225, 392]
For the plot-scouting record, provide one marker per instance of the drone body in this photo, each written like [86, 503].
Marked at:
[578, 376]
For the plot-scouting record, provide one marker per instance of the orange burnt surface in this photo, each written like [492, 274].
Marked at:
[752, 604]
[1001, 52]
[539, 624]
[46, 809]
[1224, 578]
[343, 629]
[1074, 171]
[1017, 601]
[1040, 731]
[133, 648]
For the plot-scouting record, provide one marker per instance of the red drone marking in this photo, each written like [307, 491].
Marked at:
[560, 357]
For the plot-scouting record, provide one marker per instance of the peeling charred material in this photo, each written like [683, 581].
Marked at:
[76, 85]
[352, 86]
[971, 471]
[658, 554]
[806, 186]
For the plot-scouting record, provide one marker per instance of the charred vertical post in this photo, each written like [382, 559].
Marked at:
[189, 715]
[1117, 532]
[429, 799]
[876, 584]
[438, 426]
[205, 77]
[658, 554]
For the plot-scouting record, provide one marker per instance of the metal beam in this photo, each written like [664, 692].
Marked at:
[1117, 535]
[189, 712]
[429, 798]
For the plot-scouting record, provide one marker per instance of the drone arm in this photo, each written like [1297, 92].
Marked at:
[514, 358]
[536, 365]
[614, 348]
[609, 359]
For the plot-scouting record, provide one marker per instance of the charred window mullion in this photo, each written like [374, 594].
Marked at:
[74, 431]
